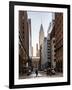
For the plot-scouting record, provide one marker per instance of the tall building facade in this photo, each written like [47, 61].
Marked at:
[50, 49]
[24, 44]
[49, 45]
[36, 49]
[44, 60]
[41, 39]
[30, 44]
[41, 35]
[53, 54]
[30, 38]
[59, 41]
[32, 51]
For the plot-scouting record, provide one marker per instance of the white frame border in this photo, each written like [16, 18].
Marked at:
[18, 81]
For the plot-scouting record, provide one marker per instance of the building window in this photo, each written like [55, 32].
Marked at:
[23, 26]
[53, 41]
[54, 46]
[23, 36]
[54, 59]
[23, 31]
[22, 17]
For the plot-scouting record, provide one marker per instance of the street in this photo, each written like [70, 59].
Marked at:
[40, 74]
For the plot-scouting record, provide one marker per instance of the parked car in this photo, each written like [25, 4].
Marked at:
[29, 72]
[51, 71]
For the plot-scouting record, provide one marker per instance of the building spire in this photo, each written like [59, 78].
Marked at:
[41, 34]
[41, 19]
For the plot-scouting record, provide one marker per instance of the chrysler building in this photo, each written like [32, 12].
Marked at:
[41, 35]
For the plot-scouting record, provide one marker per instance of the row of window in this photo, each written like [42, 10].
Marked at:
[59, 44]
[59, 38]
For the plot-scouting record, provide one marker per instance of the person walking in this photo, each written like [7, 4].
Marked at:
[36, 72]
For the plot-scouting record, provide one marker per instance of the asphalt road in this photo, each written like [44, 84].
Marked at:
[40, 74]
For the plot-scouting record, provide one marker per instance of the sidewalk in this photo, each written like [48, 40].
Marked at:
[33, 75]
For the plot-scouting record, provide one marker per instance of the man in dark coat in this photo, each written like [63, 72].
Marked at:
[36, 72]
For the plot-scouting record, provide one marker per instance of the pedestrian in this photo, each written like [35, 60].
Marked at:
[36, 72]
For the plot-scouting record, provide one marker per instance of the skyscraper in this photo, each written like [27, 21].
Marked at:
[41, 39]
[30, 38]
[23, 42]
[44, 59]
[41, 35]
[53, 47]
[32, 51]
[49, 45]
[36, 49]
[59, 41]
